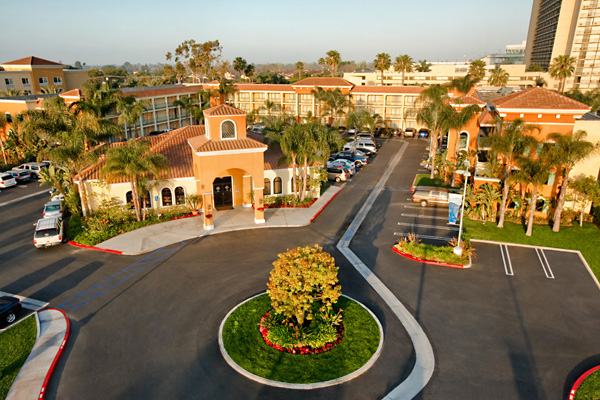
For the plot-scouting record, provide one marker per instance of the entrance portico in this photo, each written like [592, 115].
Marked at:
[228, 166]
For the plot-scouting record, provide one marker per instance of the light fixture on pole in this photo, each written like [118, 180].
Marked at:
[467, 174]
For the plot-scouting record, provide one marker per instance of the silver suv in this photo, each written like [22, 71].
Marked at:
[48, 232]
[33, 168]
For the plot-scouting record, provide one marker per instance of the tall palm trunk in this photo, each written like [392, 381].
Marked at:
[403, 77]
[505, 190]
[136, 198]
[432, 152]
[83, 196]
[294, 175]
[304, 178]
[531, 211]
[561, 201]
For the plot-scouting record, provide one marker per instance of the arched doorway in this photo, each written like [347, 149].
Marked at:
[223, 193]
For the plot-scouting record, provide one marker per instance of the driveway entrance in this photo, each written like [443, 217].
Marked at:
[223, 193]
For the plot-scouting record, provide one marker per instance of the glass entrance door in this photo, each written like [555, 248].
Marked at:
[223, 193]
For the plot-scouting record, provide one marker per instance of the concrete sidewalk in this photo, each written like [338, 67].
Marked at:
[53, 332]
[164, 234]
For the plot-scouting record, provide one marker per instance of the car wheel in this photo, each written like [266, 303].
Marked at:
[337, 179]
[423, 203]
[11, 317]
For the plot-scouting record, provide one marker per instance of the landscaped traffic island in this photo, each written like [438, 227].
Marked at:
[411, 247]
[302, 333]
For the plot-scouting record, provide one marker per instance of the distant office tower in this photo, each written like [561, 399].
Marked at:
[570, 27]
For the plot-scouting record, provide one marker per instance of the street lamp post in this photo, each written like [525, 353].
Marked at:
[467, 174]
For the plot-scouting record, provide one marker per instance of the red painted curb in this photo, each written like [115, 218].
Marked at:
[441, 264]
[83, 246]
[60, 350]
[326, 204]
[580, 380]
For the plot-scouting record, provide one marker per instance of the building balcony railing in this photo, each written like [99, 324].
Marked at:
[159, 105]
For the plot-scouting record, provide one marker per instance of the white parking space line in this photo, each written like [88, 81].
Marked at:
[444, 238]
[422, 170]
[420, 208]
[424, 216]
[506, 260]
[23, 198]
[452, 228]
[545, 265]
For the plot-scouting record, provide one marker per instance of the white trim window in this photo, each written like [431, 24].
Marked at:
[228, 130]
[166, 197]
[9, 82]
[180, 195]
[58, 80]
[25, 81]
[277, 186]
[267, 187]
[43, 81]
[464, 140]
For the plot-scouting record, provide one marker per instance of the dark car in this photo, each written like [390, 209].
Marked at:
[396, 132]
[423, 133]
[348, 155]
[20, 175]
[10, 308]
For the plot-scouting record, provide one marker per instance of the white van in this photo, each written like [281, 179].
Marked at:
[48, 232]
[360, 145]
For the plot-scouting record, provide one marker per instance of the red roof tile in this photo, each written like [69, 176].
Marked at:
[202, 144]
[539, 98]
[261, 87]
[469, 99]
[224, 109]
[388, 89]
[155, 92]
[72, 93]
[323, 82]
[486, 118]
[32, 61]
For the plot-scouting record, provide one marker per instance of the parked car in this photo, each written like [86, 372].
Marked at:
[409, 132]
[423, 133]
[367, 138]
[54, 209]
[7, 180]
[20, 175]
[348, 155]
[426, 195]
[258, 127]
[56, 195]
[48, 232]
[362, 146]
[352, 131]
[380, 131]
[10, 308]
[338, 174]
[33, 168]
[349, 165]
[396, 132]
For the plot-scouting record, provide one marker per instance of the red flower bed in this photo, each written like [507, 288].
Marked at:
[186, 216]
[301, 350]
[288, 206]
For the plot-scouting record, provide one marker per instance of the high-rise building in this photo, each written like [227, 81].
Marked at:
[566, 27]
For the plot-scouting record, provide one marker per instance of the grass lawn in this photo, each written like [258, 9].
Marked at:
[589, 388]
[585, 239]
[15, 345]
[246, 347]
[425, 180]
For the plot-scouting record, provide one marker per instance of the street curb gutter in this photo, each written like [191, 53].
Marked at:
[83, 246]
[438, 263]
[326, 204]
[58, 354]
[425, 359]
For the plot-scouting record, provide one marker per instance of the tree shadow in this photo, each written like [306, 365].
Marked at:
[37, 276]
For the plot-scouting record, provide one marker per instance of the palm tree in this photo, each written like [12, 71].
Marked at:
[99, 98]
[404, 63]
[464, 84]
[566, 153]
[535, 172]
[2, 125]
[239, 64]
[190, 105]
[382, 63]
[499, 77]
[477, 69]
[436, 114]
[249, 72]
[511, 141]
[333, 59]
[51, 90]
[561, 68]
[458, 119]
[10, 92]
[299, 68]
[335, 104]
[361, 120]
[226, 87]
[288, 140]
[487, 196]
[423, 66]
[130, 112]
[133, 162]
[56, 177]
[270, 106]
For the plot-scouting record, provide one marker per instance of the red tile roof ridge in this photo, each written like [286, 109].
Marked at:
[31, 60]
[539, 98]
[224, 109]
[323, 81]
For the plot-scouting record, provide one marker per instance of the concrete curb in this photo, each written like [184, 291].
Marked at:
[579, 381]
[53, 333]
[301, 386]
[326, 204]
[438, 263]
[83, 246]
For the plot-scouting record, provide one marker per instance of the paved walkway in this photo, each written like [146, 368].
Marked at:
[164, 234]
[53, 331]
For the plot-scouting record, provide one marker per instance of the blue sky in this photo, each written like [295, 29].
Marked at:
[261, 31]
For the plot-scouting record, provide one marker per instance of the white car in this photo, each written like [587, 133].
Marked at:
[360, 145]
[349, 165]
[48, 232]
[7, 180]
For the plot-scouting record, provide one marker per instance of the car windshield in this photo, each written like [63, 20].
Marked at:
[46, 233]
[52, 207]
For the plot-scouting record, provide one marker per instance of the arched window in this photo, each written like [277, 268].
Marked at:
[129, 199]
[179, 195]
[228, 130]
[146, 201]
[267, 189]
[277, 189]
[464, 141]
[167, 197]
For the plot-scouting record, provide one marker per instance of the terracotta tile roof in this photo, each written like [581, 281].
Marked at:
[469, 99]
[140, 93]
[539, 98]
[32, 61]
[272, 157]
[224, 109]
[72, 93]
[202, 144]
[388, 89]
[323, 82]
[172, 145]
[486, 118]
[264, 87]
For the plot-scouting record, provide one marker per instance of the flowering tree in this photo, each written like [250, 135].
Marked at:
[303, 279]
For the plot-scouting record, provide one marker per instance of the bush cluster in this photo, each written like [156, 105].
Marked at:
[445, 254]
[286, 200]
